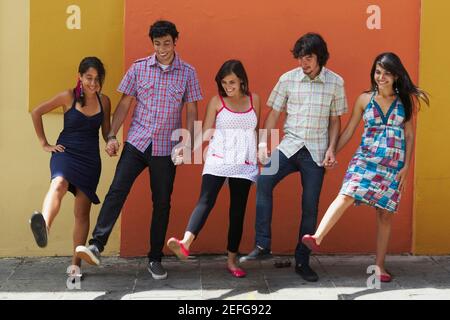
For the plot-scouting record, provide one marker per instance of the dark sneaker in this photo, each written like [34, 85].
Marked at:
[39, 229]
[257, 254]
[157, 270]
[306, 272]
[90, 254]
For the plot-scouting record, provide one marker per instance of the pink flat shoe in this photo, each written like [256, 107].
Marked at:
[178, 248]
[238, 272]
[385, 278]
[309, 241]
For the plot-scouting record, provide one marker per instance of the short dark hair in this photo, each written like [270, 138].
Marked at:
[229, 67]
[163, 28]
[312, 43]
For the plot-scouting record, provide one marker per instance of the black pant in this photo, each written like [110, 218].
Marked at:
[211, 185]
[162, 175]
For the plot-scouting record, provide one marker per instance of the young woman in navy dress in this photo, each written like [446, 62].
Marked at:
[75, 163]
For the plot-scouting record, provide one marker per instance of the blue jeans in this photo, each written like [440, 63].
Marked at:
[311, 179]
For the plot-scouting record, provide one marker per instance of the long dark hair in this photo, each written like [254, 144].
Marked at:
[85, 64]
[229, 67]
[406, 90]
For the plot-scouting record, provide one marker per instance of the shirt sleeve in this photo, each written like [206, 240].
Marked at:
[128, 83]
[279, 96]
[193, 91]
[339, 104]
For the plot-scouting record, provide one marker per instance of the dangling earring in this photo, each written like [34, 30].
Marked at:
[396, 87]
[376, 89]
[81, 90]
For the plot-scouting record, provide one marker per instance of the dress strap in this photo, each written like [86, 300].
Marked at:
[223, 102]
[251, 99]
[99, 101]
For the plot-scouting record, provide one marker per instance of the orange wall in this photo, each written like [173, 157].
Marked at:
[261, 35]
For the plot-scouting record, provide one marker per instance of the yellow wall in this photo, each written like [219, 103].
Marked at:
[432, 179]
[62, 33]
[25, 173]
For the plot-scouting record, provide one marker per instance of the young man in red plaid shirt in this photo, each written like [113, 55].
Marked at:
[161, 84]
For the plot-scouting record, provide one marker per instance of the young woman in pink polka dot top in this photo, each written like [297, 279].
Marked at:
[231, 155]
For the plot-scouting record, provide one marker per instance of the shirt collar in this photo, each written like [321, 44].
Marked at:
[176, 63]
[319, 78]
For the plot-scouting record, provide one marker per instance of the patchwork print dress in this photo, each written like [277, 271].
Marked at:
[371, 176]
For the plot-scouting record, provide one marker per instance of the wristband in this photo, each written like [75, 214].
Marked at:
[111, 138]
[262, 145]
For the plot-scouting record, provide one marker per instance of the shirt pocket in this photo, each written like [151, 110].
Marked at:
[176, 93]
[144, 91]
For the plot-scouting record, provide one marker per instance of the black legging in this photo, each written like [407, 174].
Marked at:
[211, 185]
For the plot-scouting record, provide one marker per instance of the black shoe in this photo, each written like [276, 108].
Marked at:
[157, 270]
[39, 229]
[257, 254]
[306, 272]
[90, 254]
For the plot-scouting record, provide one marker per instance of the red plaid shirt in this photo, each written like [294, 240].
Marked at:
[160, 96]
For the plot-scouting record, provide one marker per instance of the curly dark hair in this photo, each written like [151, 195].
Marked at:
[311, 43]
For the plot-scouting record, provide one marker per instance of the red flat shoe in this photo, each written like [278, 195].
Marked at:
[309, 241]
[238, 272]
[178, 248]
[385, 278]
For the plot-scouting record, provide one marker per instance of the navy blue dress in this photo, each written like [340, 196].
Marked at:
[80, 163]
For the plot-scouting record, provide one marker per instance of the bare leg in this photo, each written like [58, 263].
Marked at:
[232, 260]
[384, 219]
[52, 201]
[333, 214]
[81, 228]
[188, 239]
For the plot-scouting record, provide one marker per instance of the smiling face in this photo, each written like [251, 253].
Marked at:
[232, 85]
[310, 65]
[90, 81]
[383, 78]
[164, 49]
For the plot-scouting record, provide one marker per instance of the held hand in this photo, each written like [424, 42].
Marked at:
[263, 154]
[177, 155]
[112, 147]
[330, 159]
[57, 148]
[402, 178]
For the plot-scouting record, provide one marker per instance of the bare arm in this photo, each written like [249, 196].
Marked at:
[333, 132]
[112, 145]
[191, 117]
[106, 124]
[409, 139]
[62, 99]
[270, 123]
[351, 126]
[334, 127]
[208, 122]
[120, 114]
[257, 108]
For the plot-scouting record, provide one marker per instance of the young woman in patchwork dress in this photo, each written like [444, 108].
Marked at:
[377, 172]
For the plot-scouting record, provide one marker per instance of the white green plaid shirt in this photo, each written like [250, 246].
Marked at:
[309, 105]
